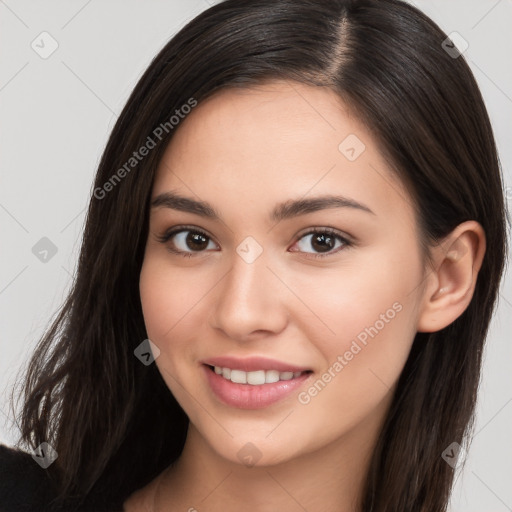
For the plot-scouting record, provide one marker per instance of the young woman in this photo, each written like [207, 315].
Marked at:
[291, 258]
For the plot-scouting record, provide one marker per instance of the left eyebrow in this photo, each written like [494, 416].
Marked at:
[283, 211]
[294, 208]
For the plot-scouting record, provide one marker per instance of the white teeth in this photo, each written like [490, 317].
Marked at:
[238, 377]
[271, 376]
[256, 378]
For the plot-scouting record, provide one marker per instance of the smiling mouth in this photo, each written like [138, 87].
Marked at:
[255, 378]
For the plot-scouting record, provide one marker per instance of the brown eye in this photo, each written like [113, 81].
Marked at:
[196, 241]
[187, 241]
[320, 243]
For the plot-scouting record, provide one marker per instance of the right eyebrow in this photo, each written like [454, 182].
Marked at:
[184, 204]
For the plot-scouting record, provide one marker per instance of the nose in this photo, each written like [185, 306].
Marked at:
[250, 301]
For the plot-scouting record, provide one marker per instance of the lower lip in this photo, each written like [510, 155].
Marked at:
[247, 396]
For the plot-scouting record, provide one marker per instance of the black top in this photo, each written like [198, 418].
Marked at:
[25, 487]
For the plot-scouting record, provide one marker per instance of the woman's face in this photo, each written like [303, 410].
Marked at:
[251, 280]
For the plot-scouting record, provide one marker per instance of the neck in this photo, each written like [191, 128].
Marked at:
[329, 479]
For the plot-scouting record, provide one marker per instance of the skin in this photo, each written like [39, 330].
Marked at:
[244, 151]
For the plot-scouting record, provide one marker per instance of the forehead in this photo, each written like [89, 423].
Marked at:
[234, 125]
[276, 141]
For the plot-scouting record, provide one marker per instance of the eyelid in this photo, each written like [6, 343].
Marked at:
[327, 229]
[185, 227]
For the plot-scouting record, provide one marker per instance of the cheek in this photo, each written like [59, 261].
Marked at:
[374, 322]
[363, 361]
[174, 304]
[371, 317]
[167, 295]
[360, 376]
[352, 298]
[156, 300]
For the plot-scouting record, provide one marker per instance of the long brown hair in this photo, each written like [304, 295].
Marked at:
[112, 420]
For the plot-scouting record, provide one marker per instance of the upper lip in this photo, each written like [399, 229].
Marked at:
[251, 364]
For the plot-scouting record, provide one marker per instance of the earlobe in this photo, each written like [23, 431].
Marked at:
[452, 279]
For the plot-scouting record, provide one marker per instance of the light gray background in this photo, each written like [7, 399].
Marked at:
[57, 113]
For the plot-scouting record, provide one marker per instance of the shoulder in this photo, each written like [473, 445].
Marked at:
[24, 484]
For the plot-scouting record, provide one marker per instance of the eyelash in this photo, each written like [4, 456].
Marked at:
[328, 231]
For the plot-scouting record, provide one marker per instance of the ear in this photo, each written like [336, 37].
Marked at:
[451, 282]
